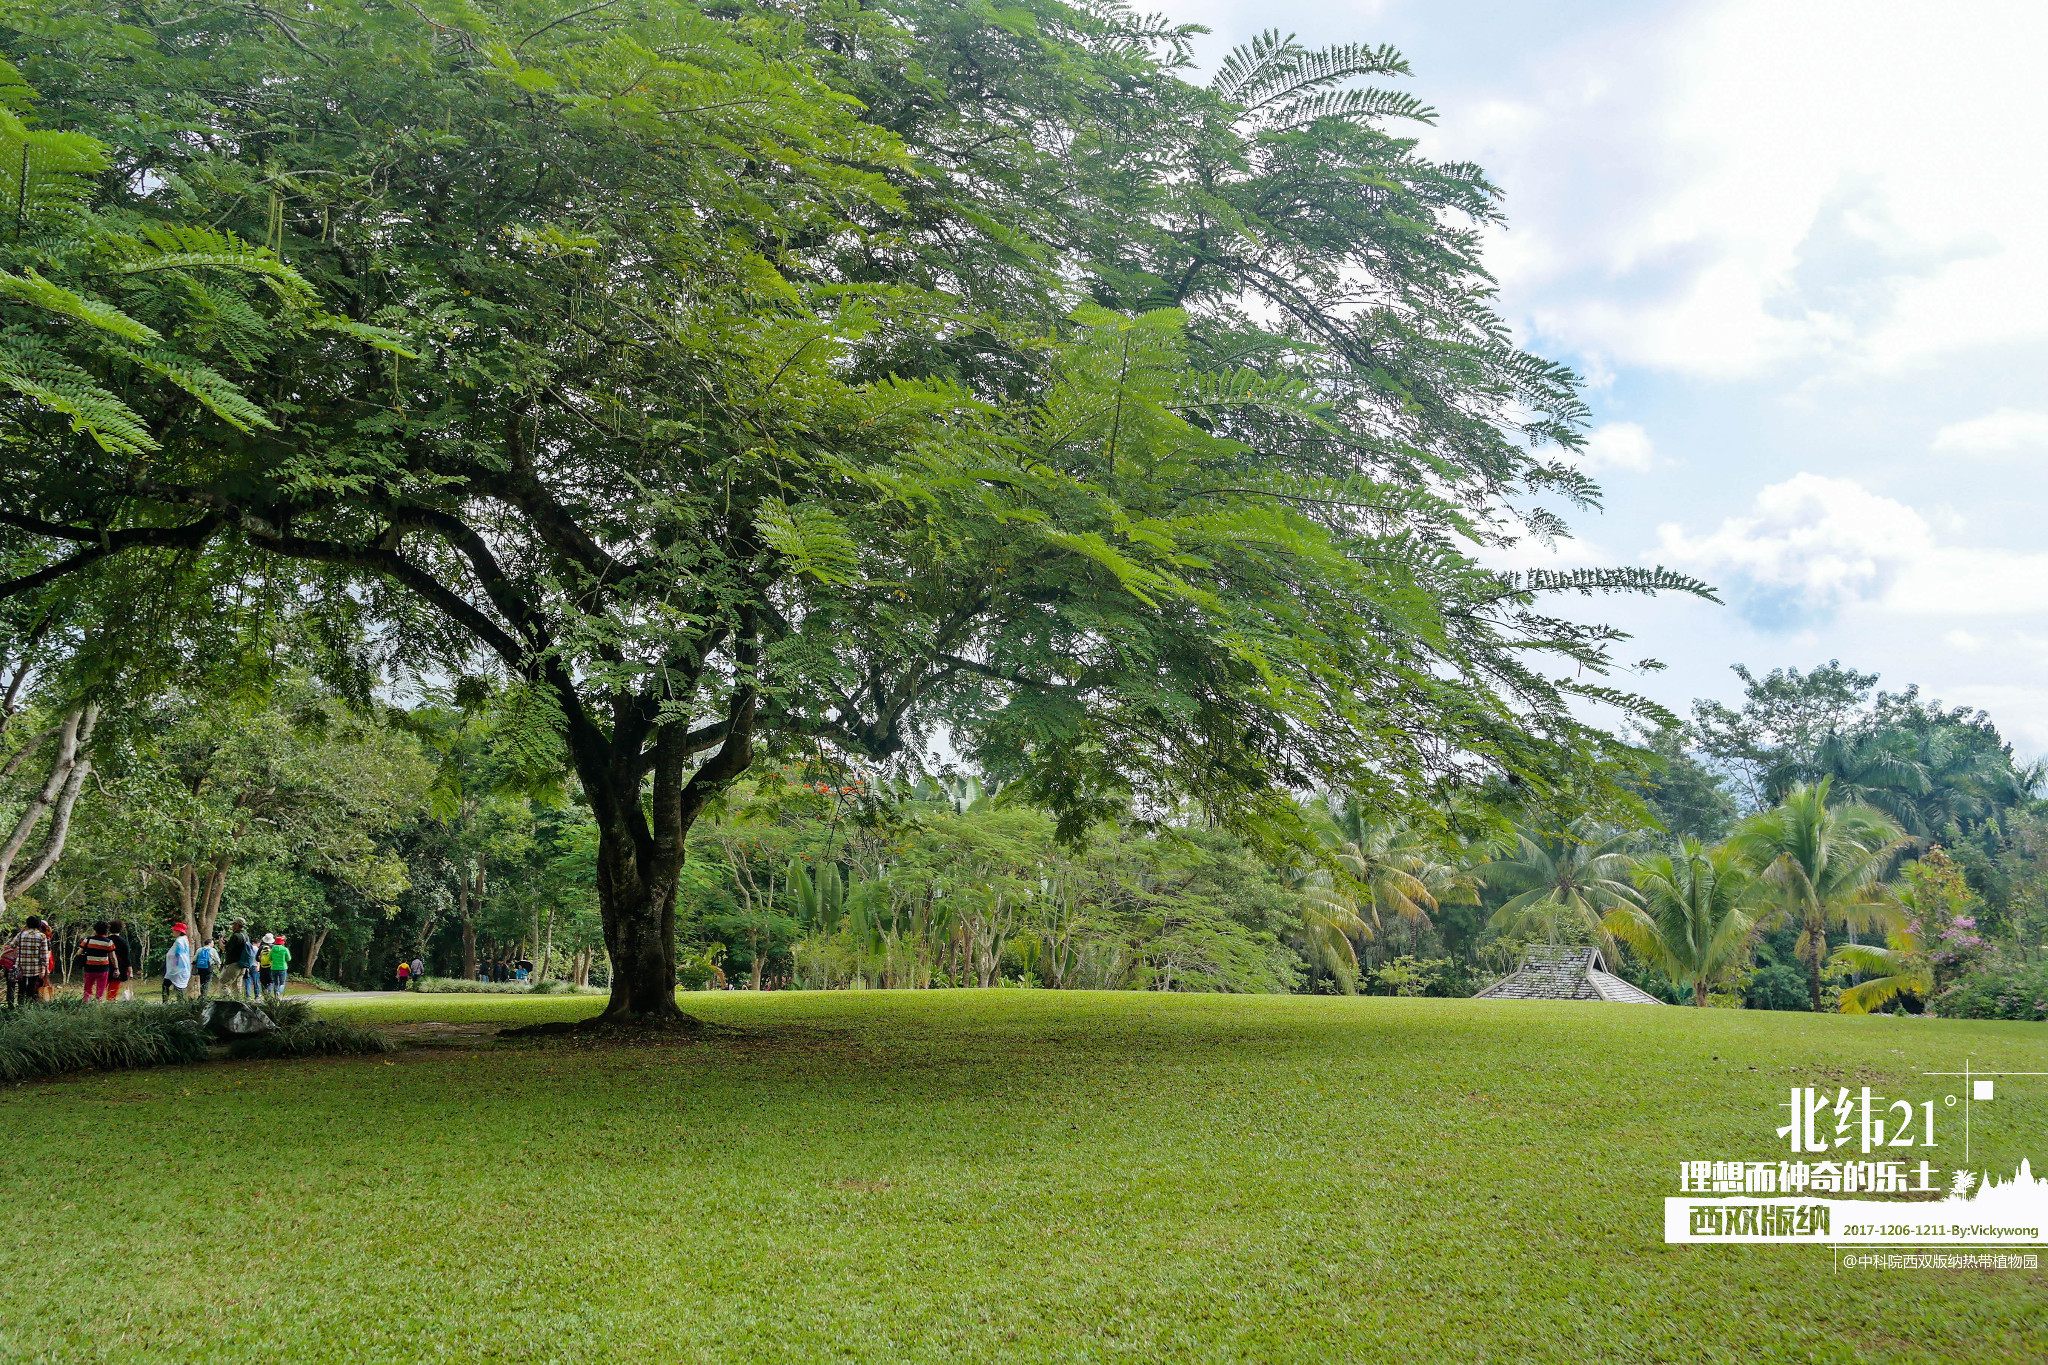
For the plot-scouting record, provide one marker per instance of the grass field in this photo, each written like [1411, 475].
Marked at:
[1006, 1175]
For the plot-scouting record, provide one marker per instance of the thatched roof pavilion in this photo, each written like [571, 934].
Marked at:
[1555, 972]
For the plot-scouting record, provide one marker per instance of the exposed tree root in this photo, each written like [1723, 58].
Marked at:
[622, 1026]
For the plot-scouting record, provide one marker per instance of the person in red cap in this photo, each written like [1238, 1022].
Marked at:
[177, 964]
[280, 964]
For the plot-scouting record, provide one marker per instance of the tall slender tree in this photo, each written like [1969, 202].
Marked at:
[1824, 864]
[1572, 877]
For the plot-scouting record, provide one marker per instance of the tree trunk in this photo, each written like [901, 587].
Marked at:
[466, 906]
[641, 843]
[206, 913]
[1817, 935]
[58, 795]
[1699, 991]
[313, 953]
[186, 883]
[638, 926]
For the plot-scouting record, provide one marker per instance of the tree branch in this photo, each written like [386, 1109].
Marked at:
[396, 567]
[60, 815]
[21, 754]
[187, 537]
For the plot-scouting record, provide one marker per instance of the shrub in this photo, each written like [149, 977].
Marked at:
[71, 1035]
[2019, 992]
[1411, 975]
[1780, 986]
[312, 1038]
[455, 985]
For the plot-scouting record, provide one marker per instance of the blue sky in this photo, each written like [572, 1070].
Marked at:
[1800, 250]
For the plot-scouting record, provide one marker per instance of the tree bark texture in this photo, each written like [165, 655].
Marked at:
[56, 798]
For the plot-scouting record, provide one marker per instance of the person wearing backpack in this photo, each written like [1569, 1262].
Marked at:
[249, 968]
[202, 963]
[233, 958]
[177, 964]
[263, 965]
[280, 966]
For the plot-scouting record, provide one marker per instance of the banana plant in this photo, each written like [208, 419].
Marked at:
[820, 896]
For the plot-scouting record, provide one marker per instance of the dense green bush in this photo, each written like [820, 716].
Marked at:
[312, 1038]
[455, 985]
[71, 1035]
[1780, 986]
[2013, 993]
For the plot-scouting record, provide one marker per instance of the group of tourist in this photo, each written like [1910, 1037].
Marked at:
[411, 972]
[249, 967]
[29, 960]
[255, 967]
[502, 970]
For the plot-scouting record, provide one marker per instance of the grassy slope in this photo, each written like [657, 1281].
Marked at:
[972, 1176]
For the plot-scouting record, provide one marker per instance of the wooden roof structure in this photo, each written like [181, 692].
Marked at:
[1553, 971]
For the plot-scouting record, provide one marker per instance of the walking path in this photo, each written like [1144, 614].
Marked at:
[331, 997]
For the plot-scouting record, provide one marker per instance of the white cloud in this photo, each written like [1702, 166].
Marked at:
[1816, 544]
[1619, 445]
[1565, 552]
[1829, 540]
[1998, 433]
[1736, 186]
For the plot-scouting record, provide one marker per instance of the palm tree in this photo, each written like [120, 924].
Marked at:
[1823, 864]
[1692, 923]
[1393, 863]
[1900, 968]
[1882, 768]
[1574, 877]
[1387, 869]
[1329, 922]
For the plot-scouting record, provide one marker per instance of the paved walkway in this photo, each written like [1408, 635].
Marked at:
[333, 997]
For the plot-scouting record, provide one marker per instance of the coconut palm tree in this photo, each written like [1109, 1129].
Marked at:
[1385, 869]
[1693, 922]
[1884, 769]
[1823, 864]
[1899, 968]
[1572, 877]
[1395, 869]
[1329, 924]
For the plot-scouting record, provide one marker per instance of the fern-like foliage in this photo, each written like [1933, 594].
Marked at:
[87, 303]
[45, 176]
[813, 539]
[1366, 104]
[1274, 71]
[169, 246]
[31, 288]
[46, 378]
[1590, 582]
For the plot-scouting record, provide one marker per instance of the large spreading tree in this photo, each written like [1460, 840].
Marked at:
[729, 377]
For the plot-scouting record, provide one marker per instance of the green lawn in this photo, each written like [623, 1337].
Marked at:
[1006, 1175]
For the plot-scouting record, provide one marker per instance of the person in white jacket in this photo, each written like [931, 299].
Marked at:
[177, 964]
